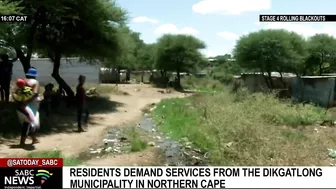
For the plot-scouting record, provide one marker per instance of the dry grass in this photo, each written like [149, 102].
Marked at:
[249, 129]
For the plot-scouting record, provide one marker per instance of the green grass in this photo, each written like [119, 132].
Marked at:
[137, 142]
[262, 129]
[55, 154]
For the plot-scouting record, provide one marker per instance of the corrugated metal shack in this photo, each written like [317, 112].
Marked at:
[319, 90]
[256, 81]
[70, 69]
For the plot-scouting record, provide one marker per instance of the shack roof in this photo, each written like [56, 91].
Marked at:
[273, 74]
[318, 77]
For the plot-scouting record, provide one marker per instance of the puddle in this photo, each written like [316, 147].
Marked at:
[175, 153]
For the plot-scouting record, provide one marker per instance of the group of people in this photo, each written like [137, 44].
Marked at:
[26, 96]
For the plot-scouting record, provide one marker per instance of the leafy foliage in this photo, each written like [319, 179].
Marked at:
[322, 57]
[270, 50]
[178, 53]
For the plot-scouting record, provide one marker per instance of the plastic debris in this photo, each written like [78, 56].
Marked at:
[332, 153]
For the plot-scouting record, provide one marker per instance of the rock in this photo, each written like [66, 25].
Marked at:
[186, 154]
[188, 143]
[94, 152]
[151, 144]
[184, 139]
[123, 139]
[106, 141]
[109, 149]
[197, 150]
[188, 147]
[196, 158]
[99, 150]
[229, 144]
[116, 151]
[97, 157]
[153, 130]
[158, 137]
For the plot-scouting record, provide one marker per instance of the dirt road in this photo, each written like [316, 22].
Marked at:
[72, 144]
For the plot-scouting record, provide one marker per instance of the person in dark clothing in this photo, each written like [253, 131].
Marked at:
[47, 97]
[1, 79]
[81, 99]
[128, 75]
[6, 68]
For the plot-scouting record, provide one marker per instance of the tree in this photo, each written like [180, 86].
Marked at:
[130, 44]
[271, 50]
[9, 7]
[86, 29]
[178, 53]
[21, 36]
[146, 58]
[322, 54]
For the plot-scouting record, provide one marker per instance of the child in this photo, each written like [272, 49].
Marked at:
[23, 93]
[81, 99]
[47, 95]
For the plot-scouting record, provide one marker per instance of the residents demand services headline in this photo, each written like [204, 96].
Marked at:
[177, 177]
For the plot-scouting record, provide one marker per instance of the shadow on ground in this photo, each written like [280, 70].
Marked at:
[62, 119]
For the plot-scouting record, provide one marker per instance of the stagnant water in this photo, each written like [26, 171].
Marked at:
[175, 153]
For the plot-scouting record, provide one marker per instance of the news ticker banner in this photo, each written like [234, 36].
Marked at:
[296, 18]
[49, 173]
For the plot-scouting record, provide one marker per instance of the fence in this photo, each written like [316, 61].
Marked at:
[70, 69]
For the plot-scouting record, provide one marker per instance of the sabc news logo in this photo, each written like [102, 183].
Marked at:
[27, 177]
[44, 174]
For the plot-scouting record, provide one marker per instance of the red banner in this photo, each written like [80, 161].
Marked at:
[31, 162]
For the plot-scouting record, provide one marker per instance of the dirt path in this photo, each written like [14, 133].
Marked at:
[72, 144]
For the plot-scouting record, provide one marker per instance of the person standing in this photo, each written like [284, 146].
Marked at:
[30, 117]
[6, 71]
[81, 99]
[2, 95]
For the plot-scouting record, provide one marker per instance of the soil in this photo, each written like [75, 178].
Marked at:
[73, 144]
